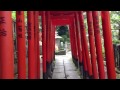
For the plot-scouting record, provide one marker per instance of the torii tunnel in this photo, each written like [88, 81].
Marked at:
[87, 53]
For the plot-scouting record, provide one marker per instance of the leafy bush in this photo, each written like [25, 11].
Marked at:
[116, 41]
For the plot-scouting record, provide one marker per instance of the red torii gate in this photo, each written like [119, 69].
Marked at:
[61, 20]
[54, 21]
[61, 15]
[78, 40]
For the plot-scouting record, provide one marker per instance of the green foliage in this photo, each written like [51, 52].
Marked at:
[115, 19]
[63, 32]
[64, 39]
[68, 40]
[115, 25]
[116, 41]
[14, 15]
[25, 16]
[61, 39]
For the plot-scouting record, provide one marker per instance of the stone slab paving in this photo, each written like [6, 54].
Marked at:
[70, 67]
[68, 60]
[65, 68]
[68, 63]
[58, 75]
[60, 66]
[73, 77]
[59, 70]
[58, 61]
[72, 73]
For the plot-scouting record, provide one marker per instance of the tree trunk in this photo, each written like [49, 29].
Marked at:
[119, 35]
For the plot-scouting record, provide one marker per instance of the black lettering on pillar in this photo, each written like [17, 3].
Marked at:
[3, 32]
[97, 31]
[2, 20]
[29, 36]
[19, 20]
[20, 31]
[20, 35]
[90, 30]
[19, 12]
[82, 25]
[34, 30]
[19, 27]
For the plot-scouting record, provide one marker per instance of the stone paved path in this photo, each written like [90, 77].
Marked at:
[65, 68]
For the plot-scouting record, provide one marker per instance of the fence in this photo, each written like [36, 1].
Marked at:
[117, 56]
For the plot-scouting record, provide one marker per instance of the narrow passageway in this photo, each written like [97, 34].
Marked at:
[58, 45]
[65, 68]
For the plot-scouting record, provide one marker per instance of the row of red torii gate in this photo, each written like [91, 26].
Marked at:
[87, 53]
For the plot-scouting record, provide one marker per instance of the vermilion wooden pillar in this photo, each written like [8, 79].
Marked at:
[48, 31]
[98, 45]
[54, 43]
[44, 43]
[31, 50]
[71, 41]
[78, 34]
[92, 44]
[48, 35]
[50, 42]
[21, 45]
[53, 40]
[38, 45]
[74, 41]
[52, 47]
[35, 40]
[6, 46]
[53, 28]
[77, 47]
[84, 41]
[78, 38]
[85, 73]
[108, 44]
